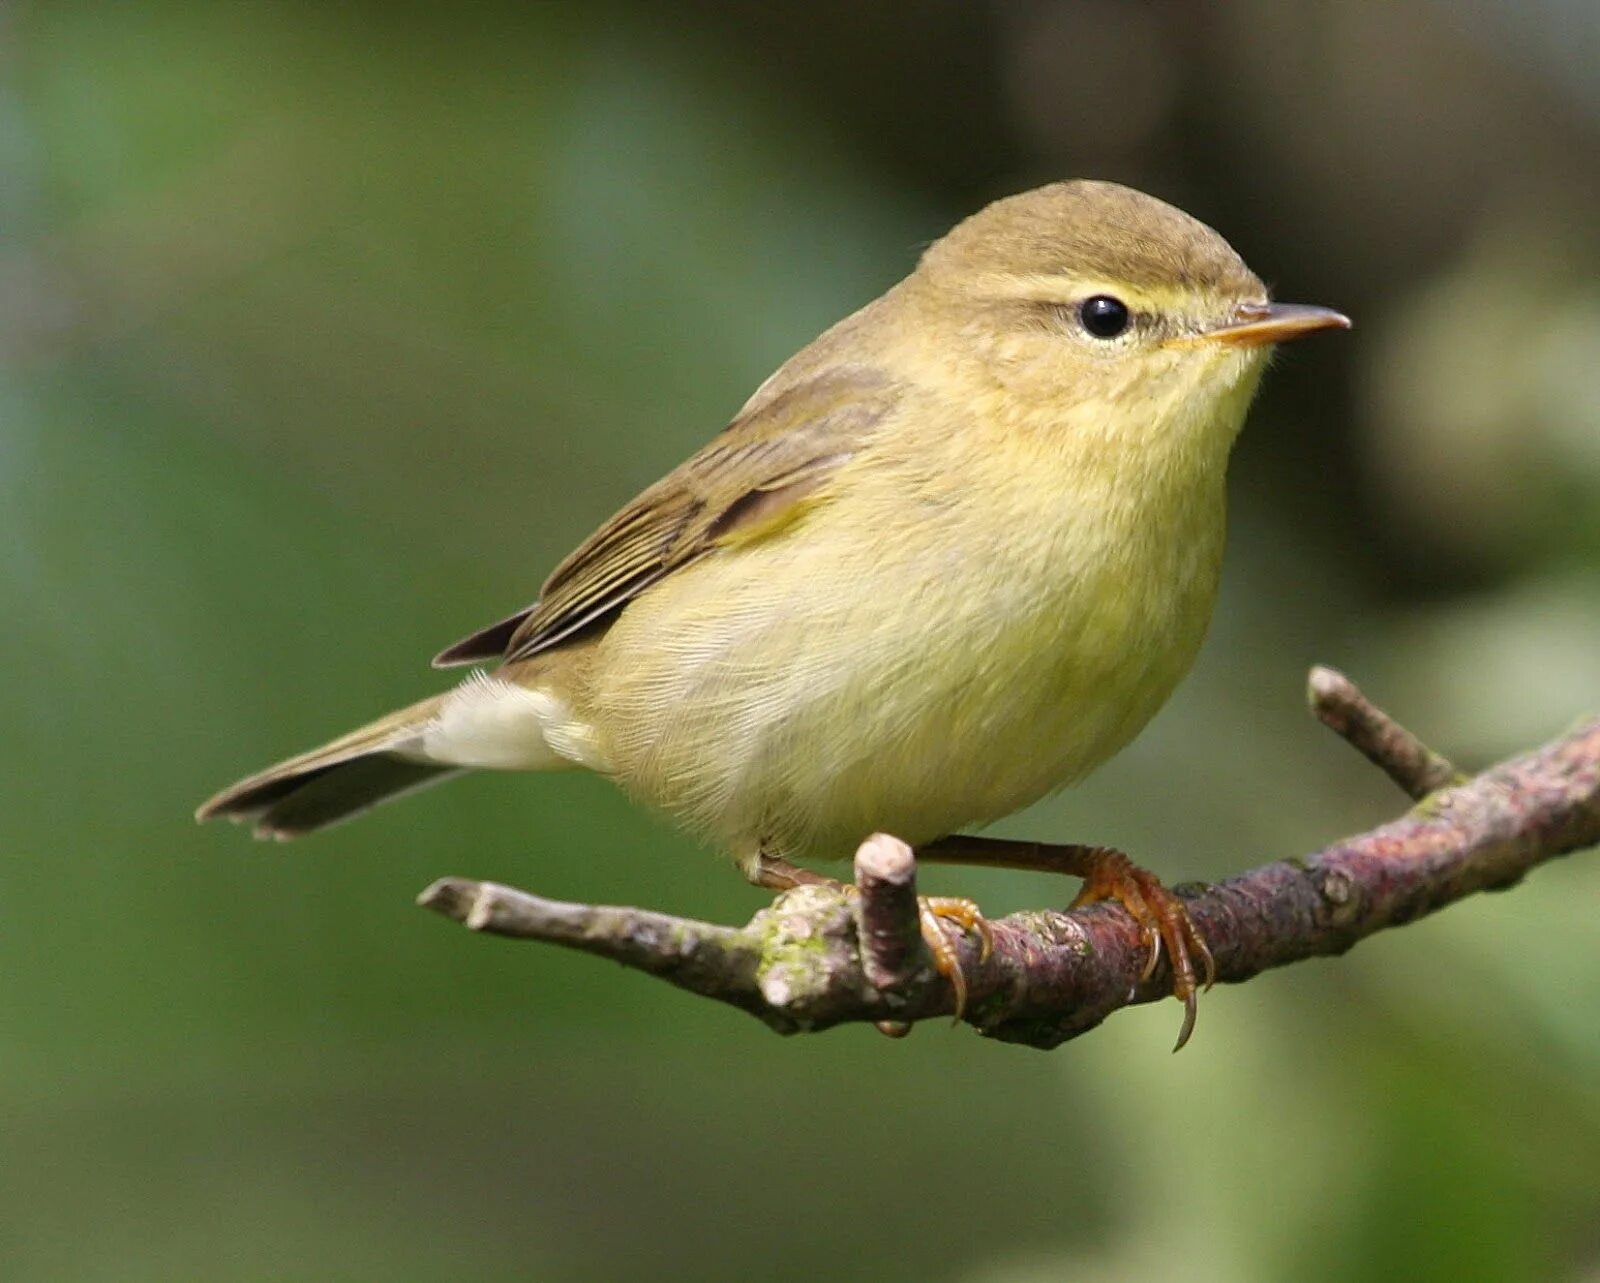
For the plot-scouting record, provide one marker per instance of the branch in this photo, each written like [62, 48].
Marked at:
[1340, 705]
[818, 956]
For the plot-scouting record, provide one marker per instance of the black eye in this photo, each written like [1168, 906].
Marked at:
[1103, 316]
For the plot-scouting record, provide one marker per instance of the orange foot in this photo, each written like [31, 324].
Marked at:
[934, 911]
[1162, 919]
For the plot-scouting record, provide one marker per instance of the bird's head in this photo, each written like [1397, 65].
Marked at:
[1093, 298]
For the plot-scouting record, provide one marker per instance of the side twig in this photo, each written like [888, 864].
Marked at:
[1340, 705]
[818, 957]
[889, 934]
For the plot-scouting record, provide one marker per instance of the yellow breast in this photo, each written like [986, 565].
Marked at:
[950, 637]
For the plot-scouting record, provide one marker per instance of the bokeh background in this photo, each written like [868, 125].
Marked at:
[326, 330]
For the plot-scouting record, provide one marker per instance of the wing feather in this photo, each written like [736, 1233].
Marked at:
[749, 482]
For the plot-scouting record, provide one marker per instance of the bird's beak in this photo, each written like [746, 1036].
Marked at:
[1254, 324]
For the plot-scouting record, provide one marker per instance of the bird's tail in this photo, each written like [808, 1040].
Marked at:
[339, 780]
[496, 721]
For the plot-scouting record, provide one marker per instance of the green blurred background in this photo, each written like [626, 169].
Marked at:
[326, 330]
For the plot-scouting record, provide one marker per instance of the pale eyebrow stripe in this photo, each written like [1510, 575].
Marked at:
[1036, 287]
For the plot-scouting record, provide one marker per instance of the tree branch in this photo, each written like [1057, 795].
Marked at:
[1340, 705]
[818, 957]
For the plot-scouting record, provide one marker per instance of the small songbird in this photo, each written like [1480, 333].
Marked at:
[949, 558]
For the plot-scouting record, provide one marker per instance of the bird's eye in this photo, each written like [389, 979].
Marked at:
[1103, 316]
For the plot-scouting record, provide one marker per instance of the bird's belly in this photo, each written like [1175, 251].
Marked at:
[901, 696]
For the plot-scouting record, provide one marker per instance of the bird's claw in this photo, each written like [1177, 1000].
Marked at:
[934, 912]
[1163, 922]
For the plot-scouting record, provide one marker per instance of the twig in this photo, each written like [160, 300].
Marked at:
[715, 961]
[818, 957]
[1389, 746]
[888, 932]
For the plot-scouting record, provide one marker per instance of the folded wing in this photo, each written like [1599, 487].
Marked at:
[751, 481]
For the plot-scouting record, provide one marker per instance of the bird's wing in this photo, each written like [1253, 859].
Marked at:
[758, 475]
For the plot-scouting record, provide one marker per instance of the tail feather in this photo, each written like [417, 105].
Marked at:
[337, 781]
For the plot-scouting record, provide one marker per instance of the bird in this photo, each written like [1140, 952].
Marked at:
[949, 558]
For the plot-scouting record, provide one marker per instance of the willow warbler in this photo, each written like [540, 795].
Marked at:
[950, 557]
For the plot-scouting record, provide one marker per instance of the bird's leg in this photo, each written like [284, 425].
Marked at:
[1107, 875]
[777, 874]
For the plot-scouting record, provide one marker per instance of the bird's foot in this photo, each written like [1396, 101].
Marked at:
[1107, 875]
[1163, 923]
[936, 910]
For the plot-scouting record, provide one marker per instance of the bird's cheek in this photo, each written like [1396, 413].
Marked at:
[1250, 364]
[1220, 367]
